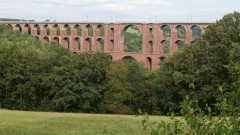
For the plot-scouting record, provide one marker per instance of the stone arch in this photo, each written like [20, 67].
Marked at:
[47, 29]
[128, 59]
[46, 39]
[37, 37]
[89, 29]
[150, 47]
[10, 26]
[111, 32]
[100, 44]
[18, 27]
[56, 40]
[131, 38]
[181, 31]
[57, 29]
[166, 31]
[196, 31]
[78, 29]
[111, 45]
[192, 42]
[68, 29]
[100, 29]
[179, 43]
[150, 28]
[166, 46]
[66, 42]
[162, 58]
[38, 29]
[88, 44]
[149, 63]
[77, 43]
[27, 26]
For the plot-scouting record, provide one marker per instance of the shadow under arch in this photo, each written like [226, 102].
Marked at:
[149, 63]
[128, 59]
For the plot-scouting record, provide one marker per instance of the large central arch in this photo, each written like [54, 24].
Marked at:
[131, 39]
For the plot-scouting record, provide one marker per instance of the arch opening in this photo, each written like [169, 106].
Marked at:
[47, 29]
[100, 30]
[77, 43]
[46, 39]
[89, 29]
[66, 42]
[196, 32]
[79, 29]
[149, 63]
[150, 47]
[88, 44]
[10, 26]
[181, 31]
[100, 44]
[57, 29]
[180, 44]
[111, 31]
[111, 46]
[128, 59]
[132, 39]
[27, 26]
[166, 31]
[37, 27]
[68, 29]
[19, 28]
[56, 40]
[166, 46]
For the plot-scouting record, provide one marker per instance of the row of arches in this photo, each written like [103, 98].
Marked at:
[66, 29]
[181, 31]
[148, 60]
[55, 29]
[76, 43]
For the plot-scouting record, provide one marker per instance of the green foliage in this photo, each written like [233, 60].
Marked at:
[225, 31]
[180, 44]
[58, 30]
[48, 31]
[196, 32]
[79, 31]
[39, 77]
[166, 47]
[101, 31]
[193, 120]
[166, 31]
[69, 31]
[90, 30]
[205, 63]
[38, 30]
[181, 32]
[132, 40]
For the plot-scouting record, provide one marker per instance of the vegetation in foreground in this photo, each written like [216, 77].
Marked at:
[44, 123]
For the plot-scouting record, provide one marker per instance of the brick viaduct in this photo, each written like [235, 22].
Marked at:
[152, 37]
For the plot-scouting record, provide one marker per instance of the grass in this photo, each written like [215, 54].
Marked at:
[48, 123]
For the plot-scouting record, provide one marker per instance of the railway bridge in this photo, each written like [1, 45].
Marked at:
[158, 39]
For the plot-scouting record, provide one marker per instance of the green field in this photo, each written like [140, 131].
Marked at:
[45, 123]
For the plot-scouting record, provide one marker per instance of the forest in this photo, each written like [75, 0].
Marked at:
[46, 77]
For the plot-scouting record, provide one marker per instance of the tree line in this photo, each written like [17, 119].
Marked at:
[47, 77]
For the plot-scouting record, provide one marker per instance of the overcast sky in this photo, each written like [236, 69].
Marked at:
[119, 10]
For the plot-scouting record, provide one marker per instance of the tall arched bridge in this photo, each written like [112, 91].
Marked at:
[77, 38]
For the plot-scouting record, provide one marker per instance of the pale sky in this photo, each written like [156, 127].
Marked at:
[119, 10]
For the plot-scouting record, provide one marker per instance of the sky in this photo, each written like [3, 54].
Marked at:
[118, 10]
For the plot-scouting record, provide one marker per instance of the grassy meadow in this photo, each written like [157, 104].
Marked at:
[50, 123]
